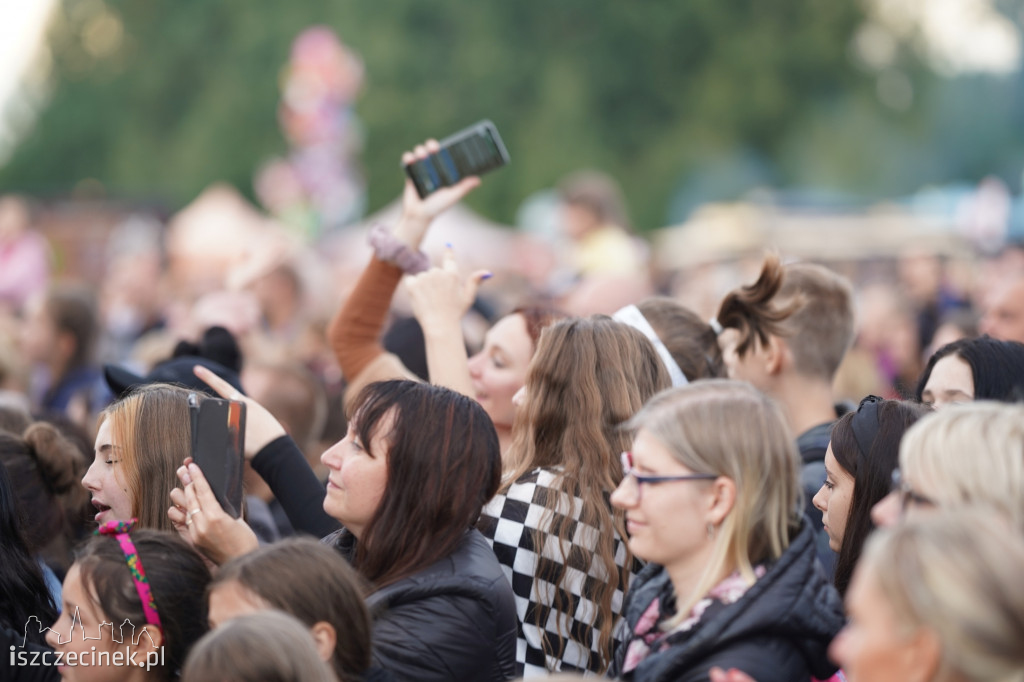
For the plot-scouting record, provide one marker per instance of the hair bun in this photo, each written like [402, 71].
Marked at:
[751, 309]
[60, 461]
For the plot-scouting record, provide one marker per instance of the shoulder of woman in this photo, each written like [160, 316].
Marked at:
[649, 584]
[540, 476]
[470, 571]
[522, 489]
[341, 540]
[765, 658]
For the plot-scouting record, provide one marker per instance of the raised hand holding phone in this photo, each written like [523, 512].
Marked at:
[472, 151]
[417, 211]
[440, 298]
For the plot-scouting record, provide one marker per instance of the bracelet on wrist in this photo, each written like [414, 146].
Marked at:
[391, 249]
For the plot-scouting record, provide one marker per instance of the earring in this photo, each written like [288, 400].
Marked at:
[711, 528]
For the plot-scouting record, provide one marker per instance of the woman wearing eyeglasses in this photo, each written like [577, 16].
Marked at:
[859, 463]
[969, 454]
[711, 496]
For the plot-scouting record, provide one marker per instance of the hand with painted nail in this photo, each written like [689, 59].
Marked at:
[199, 518]
[417, 213]
[260, 426]
[441, 296]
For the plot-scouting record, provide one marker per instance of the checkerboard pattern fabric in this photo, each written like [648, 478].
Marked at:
[507, 522]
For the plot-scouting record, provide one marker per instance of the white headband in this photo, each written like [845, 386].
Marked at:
[632, 316]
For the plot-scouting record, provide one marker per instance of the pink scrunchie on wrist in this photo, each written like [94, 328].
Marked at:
[391, 249]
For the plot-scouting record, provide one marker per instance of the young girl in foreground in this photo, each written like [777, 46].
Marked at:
[134, 603]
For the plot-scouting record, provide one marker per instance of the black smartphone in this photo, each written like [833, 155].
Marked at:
[472, 151]
[218, 447]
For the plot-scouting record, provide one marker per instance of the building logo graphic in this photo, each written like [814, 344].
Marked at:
[124, 634]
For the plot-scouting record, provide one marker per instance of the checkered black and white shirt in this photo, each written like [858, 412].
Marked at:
[507, 522]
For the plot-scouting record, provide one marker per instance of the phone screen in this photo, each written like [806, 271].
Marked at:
[472, 151]
[218, 448]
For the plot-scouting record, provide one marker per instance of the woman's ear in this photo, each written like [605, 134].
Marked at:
[924, 650]
[722, 500]
[150, 641]
[326, 639]
[777, 355]
[151, 636]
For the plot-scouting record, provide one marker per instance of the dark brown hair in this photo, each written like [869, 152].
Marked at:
[23, 592]
[690, 340]
[749, 308]
[871, 472]
[312, 582]
[46, 472]
[809, 305]
[443, 464]
[177, 576]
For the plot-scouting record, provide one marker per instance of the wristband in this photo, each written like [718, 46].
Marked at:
[391, 249]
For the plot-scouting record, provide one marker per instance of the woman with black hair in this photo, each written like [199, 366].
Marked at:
[859, 462]
[973, 369]
[23, 592]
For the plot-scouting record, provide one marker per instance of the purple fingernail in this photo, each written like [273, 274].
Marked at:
[448, 245]
[487, 275]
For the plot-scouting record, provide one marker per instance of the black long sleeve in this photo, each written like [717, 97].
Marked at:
[281, 464]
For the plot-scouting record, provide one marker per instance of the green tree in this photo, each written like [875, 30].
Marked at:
[186, 93]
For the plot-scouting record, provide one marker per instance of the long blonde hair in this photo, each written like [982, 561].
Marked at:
[587, 378]
[153, 432]
[956, 573]
[729, 428]
[970, 454]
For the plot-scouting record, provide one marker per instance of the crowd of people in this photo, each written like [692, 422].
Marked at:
[435, 490]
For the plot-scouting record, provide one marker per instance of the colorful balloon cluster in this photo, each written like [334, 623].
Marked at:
[319, 186]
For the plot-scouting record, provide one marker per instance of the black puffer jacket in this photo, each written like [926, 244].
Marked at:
[454, 620]
[779, 631]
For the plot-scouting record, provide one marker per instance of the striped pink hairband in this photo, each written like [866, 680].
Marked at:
[119, 530]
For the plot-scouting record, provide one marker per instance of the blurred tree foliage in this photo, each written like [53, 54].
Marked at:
[158, 98]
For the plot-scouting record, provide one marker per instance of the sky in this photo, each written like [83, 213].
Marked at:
[22, 30]
[957, 36]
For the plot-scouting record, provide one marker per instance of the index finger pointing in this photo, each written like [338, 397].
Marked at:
[223, 388]
[448, 259]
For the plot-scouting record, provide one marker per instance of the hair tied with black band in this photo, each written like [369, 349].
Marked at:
[865, 423]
